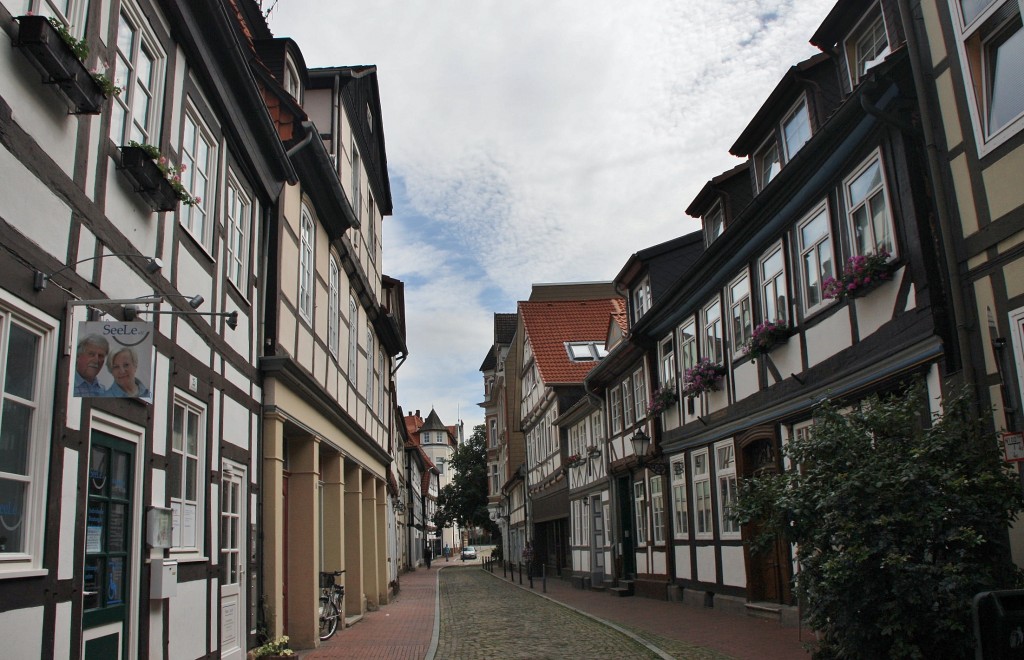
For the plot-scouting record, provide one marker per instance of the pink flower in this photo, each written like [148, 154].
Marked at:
[162, 160]
[183, 167]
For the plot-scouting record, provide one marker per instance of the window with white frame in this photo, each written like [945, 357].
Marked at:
[725, 471]
[70, 13]
[627, 403]
[868, 44]
[991, 50]
[640, 512]
[796, 129]
[641, 299]
[353, 338]
[28, 349]
[816, 261]
[867, 201]
[657, 510]
[774, 294]
[492, 434]
[687, 345]
[138, 71]
[767, 163]
[306, 239]
[668, 364]
[185, 483]
[680, 513]
[714, 341]
[237, 220]
[197, 166]
[702, 522]
[596, 430]
[639, 394]
[615, 406]
[333, 306]
[380, 383]
[292, 82]
[741, 316]
[585, 351]
[371, 386]
[714, 223]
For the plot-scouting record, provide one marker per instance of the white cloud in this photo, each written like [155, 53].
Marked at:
[542, 142]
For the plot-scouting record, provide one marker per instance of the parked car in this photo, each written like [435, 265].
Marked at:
[469, 552]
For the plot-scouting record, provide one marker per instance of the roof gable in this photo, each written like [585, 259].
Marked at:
[550, 325]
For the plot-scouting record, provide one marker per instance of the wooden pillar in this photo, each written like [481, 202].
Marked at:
[354, 589]
[381, 519]
[272, 524]
[370, 543]
[303, 542]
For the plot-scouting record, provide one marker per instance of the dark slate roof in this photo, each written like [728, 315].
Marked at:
[505, 328]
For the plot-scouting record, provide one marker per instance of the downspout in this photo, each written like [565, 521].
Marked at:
[941, 206]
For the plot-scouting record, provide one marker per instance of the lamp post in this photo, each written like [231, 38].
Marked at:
[641, 445]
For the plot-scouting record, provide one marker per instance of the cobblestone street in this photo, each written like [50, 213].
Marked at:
[484, 617]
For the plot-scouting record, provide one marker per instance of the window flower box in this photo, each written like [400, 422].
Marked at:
[861, 274]
[765, 337]
[661, 399]
[593, 451]
[60, 64]
[154, 178]
[705, 376]
[575, 460]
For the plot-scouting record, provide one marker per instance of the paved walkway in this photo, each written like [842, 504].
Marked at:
[409, 627]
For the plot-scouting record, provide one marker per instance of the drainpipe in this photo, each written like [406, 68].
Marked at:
[944, 219]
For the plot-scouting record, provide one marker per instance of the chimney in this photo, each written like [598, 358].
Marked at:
[417, 413]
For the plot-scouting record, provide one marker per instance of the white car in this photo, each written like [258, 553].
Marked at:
[469, 552]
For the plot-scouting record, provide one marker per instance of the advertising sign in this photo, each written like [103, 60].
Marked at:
[114, 358]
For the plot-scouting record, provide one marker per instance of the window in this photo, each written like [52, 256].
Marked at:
[357, 167]
[185, 475]
[353, 338]
[991, 49]
[28, 349]
[687, 345]
[870, 220]
[714, 224]
[641, 299]
[796, 129]
[627, 403]
[766, 163]
[370, 385]
[197, 163]
[815, 256]
[657, 510]
[639, 394]
[725, 470]
[701, 494]
[292, 82]
[740, 311]
[640, 512]
[616, 409]
[668, 364]
[138, 70]
[714, 347]
[680, 515]
[585, 351]
[306, 265]
[237, 220]
[868, 46]
[772, 267]
[380, 383]
[333, 307]
[71, 13]
[492, 436]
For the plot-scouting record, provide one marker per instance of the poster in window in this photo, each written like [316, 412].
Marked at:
[114, 359]
[115, 581]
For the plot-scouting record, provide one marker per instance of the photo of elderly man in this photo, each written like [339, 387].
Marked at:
[89, 360]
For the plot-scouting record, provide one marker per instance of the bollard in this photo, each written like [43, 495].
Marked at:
[504, 571]
[520, 573]
[544, 578]
[530, 569]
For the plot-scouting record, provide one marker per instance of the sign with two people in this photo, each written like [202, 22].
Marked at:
[114, 359]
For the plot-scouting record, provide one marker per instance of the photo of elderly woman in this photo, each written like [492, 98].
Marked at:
[123, 363]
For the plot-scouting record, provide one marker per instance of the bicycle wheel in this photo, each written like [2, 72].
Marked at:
[328, 618]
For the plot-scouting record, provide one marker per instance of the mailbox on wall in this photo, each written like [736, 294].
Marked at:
[163, 582]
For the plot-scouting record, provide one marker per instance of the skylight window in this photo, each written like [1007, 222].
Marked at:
[585, 351]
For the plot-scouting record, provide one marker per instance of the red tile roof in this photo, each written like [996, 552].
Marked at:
[550, 324]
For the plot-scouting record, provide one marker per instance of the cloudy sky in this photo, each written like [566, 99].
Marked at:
[541, 141]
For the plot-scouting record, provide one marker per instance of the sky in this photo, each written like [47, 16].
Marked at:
[540, 141]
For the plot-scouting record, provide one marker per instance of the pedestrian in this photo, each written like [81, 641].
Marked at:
[428, 554]
[447, 551]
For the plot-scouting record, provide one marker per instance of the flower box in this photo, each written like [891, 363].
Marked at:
[765, 337]
[861, 274]
[59, 64]
[661, 399]
[704, 376]
[574, 461]
[148, 179]
[593, 451]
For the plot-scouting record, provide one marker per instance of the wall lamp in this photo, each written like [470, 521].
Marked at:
[40, 278]
[131, 312]
[641, 445]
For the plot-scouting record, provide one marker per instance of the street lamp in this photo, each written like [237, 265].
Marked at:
[641, 445]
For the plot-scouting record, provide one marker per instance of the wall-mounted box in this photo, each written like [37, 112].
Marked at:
[163, 582]
[159, 521]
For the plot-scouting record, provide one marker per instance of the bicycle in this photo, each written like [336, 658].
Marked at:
[332, 596]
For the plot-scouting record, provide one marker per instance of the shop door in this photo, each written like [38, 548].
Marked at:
[596, 542]
[108, 558]
[624, 491]
[768, 571]
[232, 558]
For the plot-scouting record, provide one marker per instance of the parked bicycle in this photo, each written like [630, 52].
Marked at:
[332, 596]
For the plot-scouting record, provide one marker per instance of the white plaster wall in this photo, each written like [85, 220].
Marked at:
[734, 572]
[161, 397]
[787, 357]
[683, 562]
[705, 563]
[876, 308]
[37, 213]
[642, 563]
[745, 379]
[829, 337]
[68, 508]
[189, 340]
[22, 632]
[659, 563]
[188, 617]
[156, 628]
[236, 424]
[62, 631]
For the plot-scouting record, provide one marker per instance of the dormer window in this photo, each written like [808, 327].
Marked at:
[641, 299]
[766, 163]
[714, 225]
[796, 129]
[868, 46]
[292, 82]
[585, 351]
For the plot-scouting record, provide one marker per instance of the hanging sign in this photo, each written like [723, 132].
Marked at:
[1013, 447]
[114, 359]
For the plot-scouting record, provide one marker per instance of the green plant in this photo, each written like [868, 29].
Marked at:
[661, 398]
[861, 272]
[171, 172]
[106, 84]
[898, 519]
[78, 46]
[702, 377]
[765, 336]
[277, 646]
